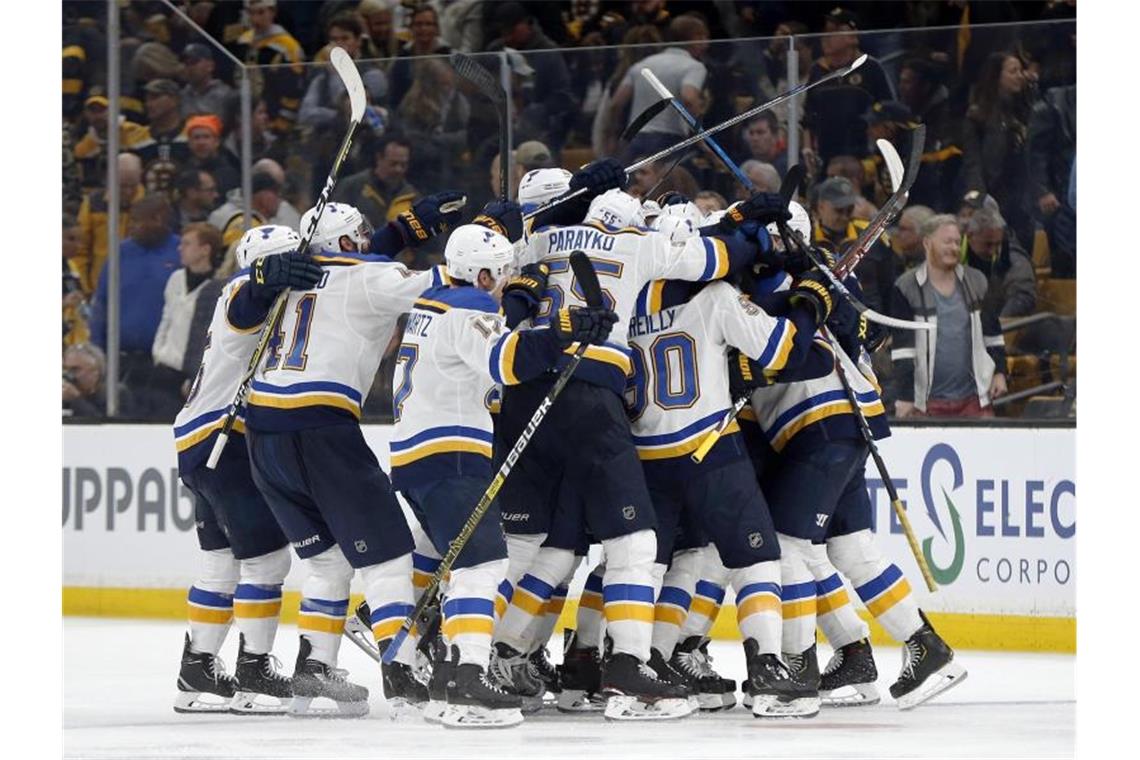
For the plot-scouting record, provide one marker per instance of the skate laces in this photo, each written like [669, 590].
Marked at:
[695, 663]
[272, 668]
[215, 668]
[648, 672]
[491, 684]
[911, 654]
[835, 663]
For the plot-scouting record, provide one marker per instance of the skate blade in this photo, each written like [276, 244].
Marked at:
[360, 635]
[577, 701]
[303, 707]
[771, 706]
[746, 701]
[851, 695]
[472, 716]
[402, 711]
[190, 702]
[713, 702]
[532, 704]
[434, 710]
[948, 676]
[253, 703]
[622, 707]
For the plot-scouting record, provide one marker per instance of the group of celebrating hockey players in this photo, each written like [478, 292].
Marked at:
[698, 311]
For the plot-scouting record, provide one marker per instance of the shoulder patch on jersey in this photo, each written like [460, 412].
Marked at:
[464, 297]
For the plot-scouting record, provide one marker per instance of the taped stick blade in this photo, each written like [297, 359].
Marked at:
[644, 118]
[478, 75]
[587, 279]
[348, 73]
[894, 163]
[791, 182]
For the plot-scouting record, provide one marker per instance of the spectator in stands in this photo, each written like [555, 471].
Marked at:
[93, 221]
[852, 170]
[75, 329]
[203, 94]
[200, 252]
[765, 178]
[906, 238]
[434, 116]
[267, 43]
[152, 61]
[323, 97]
[267, 204]
[773, 77]
[709, 201]
[531, 155]
[994, 147]
[425, 41]
[1052, 151]
[461, 25]
[762, 135]
[680, 69]
[929, 101]
[90, 149]
[146, 260]
[836, 228]
[1011, 289]
[165, 149]
[830, 110]
[550, 98]
[377, 15]
[972, 202]
[204, 136]
[608, 123]
[263, 143]
[196, 195]
[653, 180]
[382, 191]
[958, 368]
[84, 378]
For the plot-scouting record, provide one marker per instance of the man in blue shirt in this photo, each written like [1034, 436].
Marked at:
[146, 260]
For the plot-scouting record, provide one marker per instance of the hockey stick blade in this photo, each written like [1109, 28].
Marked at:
[350, 75]
[642, 119]
[478, 75]
[791, 182]
[587, 278]
[894, 164]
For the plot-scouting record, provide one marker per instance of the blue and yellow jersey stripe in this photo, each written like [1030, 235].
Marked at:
[302, 395]
[449, 439]
[502, 360]
[716, 259]
[200, 428]
[774, 357]
[682, 442]
[819, 407]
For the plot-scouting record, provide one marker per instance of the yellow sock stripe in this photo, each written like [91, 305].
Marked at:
[209, 614]
[591, 600]
[318, 624]
[531, 605]
[889, 598]
[264, 609]
[622, 611]
[500, 606]
[832, 602]
[667, 613]
[420, 579]
[762, 602]
[703, 606]
[555, 605]
[799, 608]
[468, 624]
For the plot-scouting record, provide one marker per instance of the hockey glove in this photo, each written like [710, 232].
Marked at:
[768, 260]
[272, 274]
[430, 215]
[813, 290]
[672, 198]
[504, 217]
[743, 375]
[585, 325]
[599, 176]
[763, 208]
[529, 283]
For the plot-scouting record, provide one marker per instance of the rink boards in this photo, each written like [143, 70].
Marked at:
[994, 511]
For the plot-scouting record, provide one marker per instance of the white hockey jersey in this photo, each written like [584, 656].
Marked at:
[680, 389]
[227, 353]
[456, 351]
[626, 260]
[324, 353]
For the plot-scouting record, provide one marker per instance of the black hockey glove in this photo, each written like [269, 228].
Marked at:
[599, 176]
[768, 260]
[672, 198]
[431, 215]
[813, 290]
[763, 208]
[743, 376]
[530, 283]
[272, 274]
[585, 325]
[504, 217]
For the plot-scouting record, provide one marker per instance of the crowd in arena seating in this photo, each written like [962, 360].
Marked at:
[998, 172]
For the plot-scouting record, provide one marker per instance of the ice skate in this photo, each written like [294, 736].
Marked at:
[509, 669]
[804, 666]
[849, 678]
[542, 670]
[202, 674]
[405, 694]
[260, 688]
[928, 668]
[313, 680]
[441, 672]
[473, 701]
[580, 678]
[774, 691]
[633, 692]
[713, 692]
[667, 673]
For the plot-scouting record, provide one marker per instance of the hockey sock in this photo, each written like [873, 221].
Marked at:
[257, 600]
[423, 567]
[521, 551]
[324, 603]
[591, 615]
[627, 592]
[835, 614]
[880, 584]
[797, 595]
[210, 602]
[531, 595]
[673, 600]
[758, 608]
[388, 591]
[708, 594]
[469, 611]
[544, 628]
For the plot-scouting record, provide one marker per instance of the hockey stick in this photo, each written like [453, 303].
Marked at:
[346, 69]
[478, 75]
[586, 276]
[869, 439]
[643, 118]
[699, 136]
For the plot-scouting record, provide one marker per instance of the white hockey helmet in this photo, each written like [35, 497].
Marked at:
[337, 220]
[713, 217]
[266, 240]
[615, 208]
[687, 210]
[473, 248]
[800, 222]
[650, 210]
[678, 228]
[540, 185]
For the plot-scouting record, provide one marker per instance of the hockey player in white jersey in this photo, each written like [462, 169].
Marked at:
[245, 554]
[591, 445]
[322, 481]
[456, 348]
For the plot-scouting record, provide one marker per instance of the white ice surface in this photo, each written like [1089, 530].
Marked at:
[119, 685]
